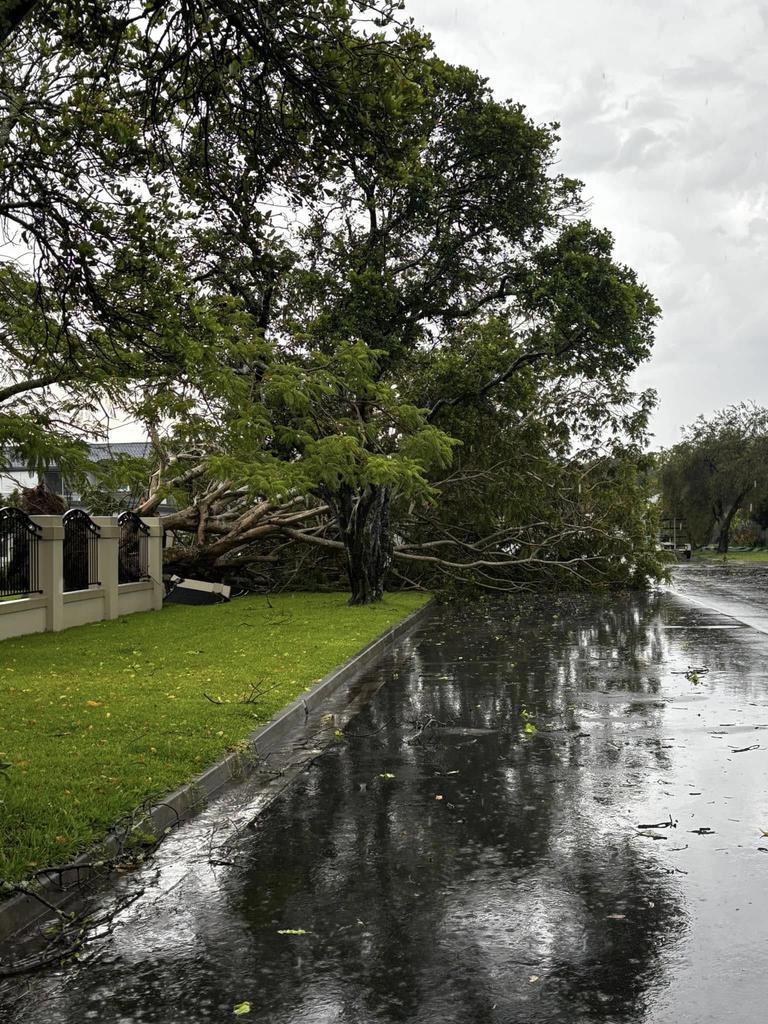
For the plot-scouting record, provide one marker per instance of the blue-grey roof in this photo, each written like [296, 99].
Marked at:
[99, 452]
[110, 449]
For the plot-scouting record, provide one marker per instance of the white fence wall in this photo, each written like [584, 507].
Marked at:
[54, 610]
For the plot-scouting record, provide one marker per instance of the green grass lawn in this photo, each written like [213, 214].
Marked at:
[733, 556]
[97, 719]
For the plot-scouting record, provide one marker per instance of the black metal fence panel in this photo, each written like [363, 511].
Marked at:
[133, 549]
[19, 554]
[81, 550]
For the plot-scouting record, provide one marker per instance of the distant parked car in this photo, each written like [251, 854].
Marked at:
[679, 549]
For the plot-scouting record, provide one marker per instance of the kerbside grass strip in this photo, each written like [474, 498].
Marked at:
[734, 556]
[97, 719]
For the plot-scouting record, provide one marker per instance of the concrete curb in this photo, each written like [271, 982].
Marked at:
[22, 910]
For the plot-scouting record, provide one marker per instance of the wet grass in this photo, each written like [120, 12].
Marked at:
[97, 719]
[733, 556]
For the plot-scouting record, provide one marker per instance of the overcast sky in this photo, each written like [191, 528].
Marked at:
[663, 111]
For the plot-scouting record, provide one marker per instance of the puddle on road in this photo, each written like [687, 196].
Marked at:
[538, 818]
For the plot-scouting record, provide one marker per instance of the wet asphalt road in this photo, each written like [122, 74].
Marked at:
[539, 817]
[739, 589]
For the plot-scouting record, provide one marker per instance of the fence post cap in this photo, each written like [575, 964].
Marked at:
[154, 524]
[108, 526]
[52, 526]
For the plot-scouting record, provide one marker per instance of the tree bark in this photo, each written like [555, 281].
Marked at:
[12, 13]
[723, 522]
[723, 537]
[723, 532]
[364, 527]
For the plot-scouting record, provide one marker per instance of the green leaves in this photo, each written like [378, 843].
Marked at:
[716, 469]
[339, 268]
[430, 448]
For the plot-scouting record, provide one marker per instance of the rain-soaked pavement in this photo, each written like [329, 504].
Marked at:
[541, 816]
[739, 589]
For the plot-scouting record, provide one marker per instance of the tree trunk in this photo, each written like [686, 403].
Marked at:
[363, 521]
[723, 533]
[723, 520]
[761, 525]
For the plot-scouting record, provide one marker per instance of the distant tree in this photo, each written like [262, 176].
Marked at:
[756, 513]
[708, 476]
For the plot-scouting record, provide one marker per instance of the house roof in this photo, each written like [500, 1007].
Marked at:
[109, 449]
[98, 452]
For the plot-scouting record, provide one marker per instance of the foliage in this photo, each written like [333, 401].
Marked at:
[115, 484]
[709, 475]
[330, 261]
[97, 306]
[404, 300]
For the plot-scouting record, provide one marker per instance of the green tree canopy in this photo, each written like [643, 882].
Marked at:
[419, 283]
[709, 475]
[98, 305]
[323, 254]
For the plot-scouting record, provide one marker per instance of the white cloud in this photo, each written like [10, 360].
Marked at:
[663, 113]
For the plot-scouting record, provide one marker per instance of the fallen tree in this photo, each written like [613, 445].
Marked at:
[406, 300]
[342, 270]
[511, 515]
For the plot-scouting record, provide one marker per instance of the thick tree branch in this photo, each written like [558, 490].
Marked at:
[12, 13]
[29, 385]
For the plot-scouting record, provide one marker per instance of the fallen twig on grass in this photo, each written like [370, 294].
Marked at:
[258, 690]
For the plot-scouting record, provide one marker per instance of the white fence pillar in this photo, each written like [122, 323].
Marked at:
[155, 560]
[109, 540]
[51, 553]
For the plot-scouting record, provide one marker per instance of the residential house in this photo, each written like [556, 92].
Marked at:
[18, 475]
